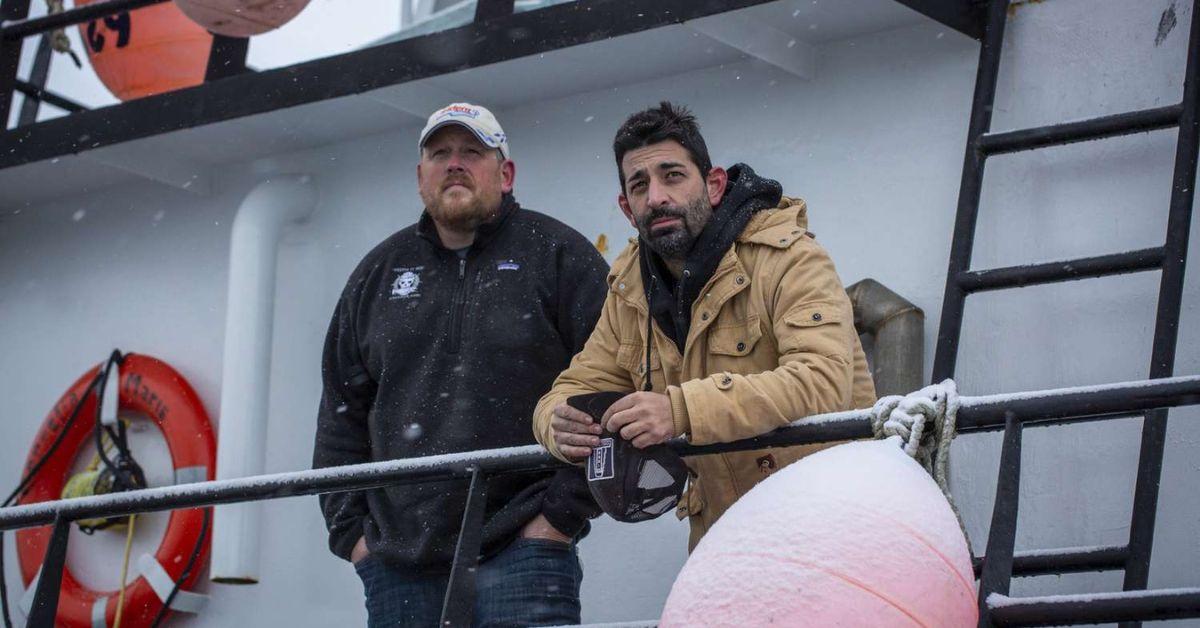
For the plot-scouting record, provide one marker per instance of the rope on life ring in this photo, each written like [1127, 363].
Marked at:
[153, 389]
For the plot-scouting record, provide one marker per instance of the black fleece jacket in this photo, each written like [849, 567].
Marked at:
[431, 353]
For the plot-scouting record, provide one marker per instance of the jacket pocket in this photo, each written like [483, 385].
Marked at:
[815, 315]
[735, 339]
[632, 358]
[825, 328]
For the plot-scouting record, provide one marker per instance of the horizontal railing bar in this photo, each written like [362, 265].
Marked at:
[48, 97]
[980, 413]
[986, 413]
[1064, 560]
[70, 17]
[1094, 608]
[1081, 131]
[1082, 403]
[645, 623]
[291, 484]
[1065, 270]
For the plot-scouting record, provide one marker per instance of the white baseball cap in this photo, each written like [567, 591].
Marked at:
[478, 119]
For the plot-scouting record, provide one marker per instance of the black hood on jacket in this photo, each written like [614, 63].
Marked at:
[670, 301]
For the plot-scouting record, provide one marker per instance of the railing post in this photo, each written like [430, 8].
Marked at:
[227, 57]
[998, 561]
[37, 78]
[45, 599]
[459, 605]
[490, 9]
[10, 56]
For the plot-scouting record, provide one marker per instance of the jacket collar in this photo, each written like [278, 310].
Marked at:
[777, 228]
[484, 234]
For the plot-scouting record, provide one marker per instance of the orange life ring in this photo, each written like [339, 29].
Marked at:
[156, 390]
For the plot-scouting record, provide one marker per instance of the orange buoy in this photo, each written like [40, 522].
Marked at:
[147, 51]
[241, 18]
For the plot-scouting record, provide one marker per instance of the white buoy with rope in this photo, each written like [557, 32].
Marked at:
[854, 535]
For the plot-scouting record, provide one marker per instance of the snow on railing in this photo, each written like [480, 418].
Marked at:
[977, 413]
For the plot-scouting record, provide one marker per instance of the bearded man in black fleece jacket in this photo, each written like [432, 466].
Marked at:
[444, 338]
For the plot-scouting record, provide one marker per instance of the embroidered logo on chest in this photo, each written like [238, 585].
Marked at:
[407, 284]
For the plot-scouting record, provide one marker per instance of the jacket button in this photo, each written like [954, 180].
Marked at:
[816, 316]
[726, 381]
[741, 346]
[704, 316]
[766, 464]
[621, 285]
[740, 280]
[783, 240]
[687, 273]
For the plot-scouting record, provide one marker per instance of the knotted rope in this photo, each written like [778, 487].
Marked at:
[925, 422]
[59, 42]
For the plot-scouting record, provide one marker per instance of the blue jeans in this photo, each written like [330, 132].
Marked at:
[532, 582]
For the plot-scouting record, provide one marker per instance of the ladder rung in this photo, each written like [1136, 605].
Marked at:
[1066, 560]
[1081, 131]
[1067, 270]
[1093, 608]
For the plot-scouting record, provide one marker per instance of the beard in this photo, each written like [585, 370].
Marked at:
[674, 243]
[462, 212]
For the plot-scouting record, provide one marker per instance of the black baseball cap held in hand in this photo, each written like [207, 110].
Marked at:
[630, 484]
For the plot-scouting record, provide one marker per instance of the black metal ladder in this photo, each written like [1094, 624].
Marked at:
[1000, 563]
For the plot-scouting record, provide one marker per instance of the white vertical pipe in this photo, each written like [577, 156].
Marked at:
[406, 14]
[250, 303]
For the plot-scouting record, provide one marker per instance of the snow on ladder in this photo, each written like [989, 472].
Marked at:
[1000, 564]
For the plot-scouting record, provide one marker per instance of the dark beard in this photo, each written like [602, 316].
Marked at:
[676, 243]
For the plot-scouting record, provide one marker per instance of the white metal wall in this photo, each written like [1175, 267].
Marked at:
[874, 143]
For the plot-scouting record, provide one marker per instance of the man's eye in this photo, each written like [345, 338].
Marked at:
[674, 174]
[637, 185]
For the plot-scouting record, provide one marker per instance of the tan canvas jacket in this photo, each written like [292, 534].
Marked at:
[772, 340]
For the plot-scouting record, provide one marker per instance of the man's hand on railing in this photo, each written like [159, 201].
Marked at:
[642, 418]
[575, 432]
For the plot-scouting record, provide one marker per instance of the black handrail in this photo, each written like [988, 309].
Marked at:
[981, 413]
[37, 25]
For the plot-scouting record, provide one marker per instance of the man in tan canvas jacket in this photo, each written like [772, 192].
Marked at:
[751, 327]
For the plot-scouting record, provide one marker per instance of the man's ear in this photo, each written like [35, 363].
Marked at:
[715, 184]
[508, 173]
[624, 203]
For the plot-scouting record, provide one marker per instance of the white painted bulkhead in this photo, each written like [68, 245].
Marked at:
[873, 140]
